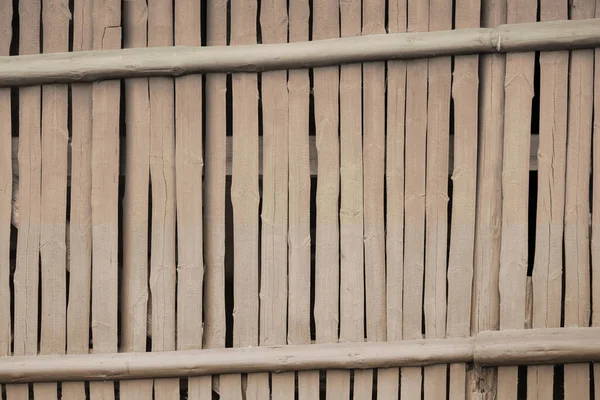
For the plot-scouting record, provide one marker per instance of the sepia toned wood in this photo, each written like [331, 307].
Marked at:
[6, 187]
[134, 287]
[53, 212]
[162, 181]
[414, 196]
[26, 276]
[169, 61]
[299, 254]
[373, 22]
[595, 228]
[577, 201]
[464, 190]
[105, 195]
[188, 169]
[518, 86]
[436, 206]
[552, 158]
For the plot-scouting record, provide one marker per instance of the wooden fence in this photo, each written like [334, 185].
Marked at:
[299, 199]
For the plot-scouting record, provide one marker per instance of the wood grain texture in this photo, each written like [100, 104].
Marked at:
[188, 168]
[6, 186]
[482, 384]
[552, 158]
[134, 287]
[389, 379]
[53, 212]
[26, 277]
[274, 214]
[106, 30]
[79, 262]
[162, 180]
[245, 197]
[515, 189]
[436, 205]
[373, 22]
[299, 254]
[464, 177]
[326, 81]
[595, 231]
[414, 196]
[577, 201]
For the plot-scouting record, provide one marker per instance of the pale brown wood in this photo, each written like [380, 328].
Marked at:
[482, 383]
[214, 193]
[464, 183]
[6, 186]
[414, 196]
[53, 212]
[518, 86]
[326, 25]
[274, 214]
[436, 191]
[388, 380]
[189, 167]
[26, 277]
[245, 197]
[169, 61]
[162, 181]
[105, 194]
[548, 263]
[373, 22]
[79, 249]
[577, 201]
[545, 346]
[299, 202]
[595, 228]
[134, 286]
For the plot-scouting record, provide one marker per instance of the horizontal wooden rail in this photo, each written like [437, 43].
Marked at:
[517, 347]
[176, 61]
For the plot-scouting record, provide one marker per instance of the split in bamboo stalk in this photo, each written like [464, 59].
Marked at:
[177, 61]
[509, 347]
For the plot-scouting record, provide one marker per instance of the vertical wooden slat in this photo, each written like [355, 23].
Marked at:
[388, 379]
[274, 215]
[214, 193]
[26, 277]
[577, 202]
[299, 202]
[436, 239]
[134, 299]
[55, 138]
[373, 22]
[352, 273]
[326, 81]
[80, 243]
[189, 165]
[552, 157]
[515, 189]
[162, 179]
[482, 383]
[595, 246]
[105, 193]
[414, 196]
[6, 14]
[464, 176]
[245, 196]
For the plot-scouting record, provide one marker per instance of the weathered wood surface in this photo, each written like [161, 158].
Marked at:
[169, 61]
[507, 347]
[595, 231]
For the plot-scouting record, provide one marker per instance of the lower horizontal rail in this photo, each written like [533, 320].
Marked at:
[176, 61]
[517, 347]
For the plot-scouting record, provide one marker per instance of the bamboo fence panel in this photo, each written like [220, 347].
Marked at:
[6, 178]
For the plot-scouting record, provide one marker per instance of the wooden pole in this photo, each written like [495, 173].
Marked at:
[510, 347]
[176, 61]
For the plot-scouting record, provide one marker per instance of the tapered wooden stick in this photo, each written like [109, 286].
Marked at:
[177, 61]
[510, 347]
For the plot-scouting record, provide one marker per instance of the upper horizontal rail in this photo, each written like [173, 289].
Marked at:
[176, 61]
[512, 347]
